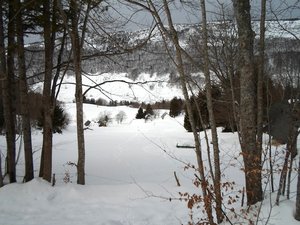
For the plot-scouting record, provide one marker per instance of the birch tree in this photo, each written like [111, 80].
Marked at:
[212, 122]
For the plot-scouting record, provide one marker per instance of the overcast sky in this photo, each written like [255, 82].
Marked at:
[187, 14]
[141, 19]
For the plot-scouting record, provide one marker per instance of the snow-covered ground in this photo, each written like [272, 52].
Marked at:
[117, 86]
[129, 177]
[129, 169]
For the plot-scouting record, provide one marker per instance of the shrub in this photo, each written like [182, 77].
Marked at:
[120, 116]
[176, 106]
[149, 111]
[101, 101]
[60, 119]
[104, 119]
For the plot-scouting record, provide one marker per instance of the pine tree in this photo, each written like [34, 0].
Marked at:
[175, 107]
[140, 114]
[149, 111]
[187, 124]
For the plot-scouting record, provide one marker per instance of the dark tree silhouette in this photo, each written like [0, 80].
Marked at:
[176, 106]
[148, 111]
[140, 114]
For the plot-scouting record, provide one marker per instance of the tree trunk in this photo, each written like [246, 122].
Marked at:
[2, 71]
[26, 126]
[78, 95]
[217, 178]
[260, 79]
[183, 81]
[297, 212]
[48, 109]
[251, 154]
[9, 96]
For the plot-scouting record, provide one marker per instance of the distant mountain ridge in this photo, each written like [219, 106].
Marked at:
[118, 53]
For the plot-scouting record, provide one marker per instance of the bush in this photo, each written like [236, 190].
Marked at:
[120, 116]
[104, 119]
[60, 120]
[101, 101]
[176, 106]
[149, 111]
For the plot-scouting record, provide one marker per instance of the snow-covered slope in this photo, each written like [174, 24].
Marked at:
[118, 87]
[130, 168]
[129, 177]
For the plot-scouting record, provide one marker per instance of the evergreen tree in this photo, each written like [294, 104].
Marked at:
[140, 114]
[59, 122]
[149, 111]
[186, 123]
[175, 107]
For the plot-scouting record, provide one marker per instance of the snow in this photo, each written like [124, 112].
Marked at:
[157, 88]
[129, 175]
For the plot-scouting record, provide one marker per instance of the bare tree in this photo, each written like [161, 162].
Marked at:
[297, 212]
[251, 154]
[26, 125]
[8, 95]
[75, 10]
[171, 35]
[217, 173]
[48, 107]
[2, 70]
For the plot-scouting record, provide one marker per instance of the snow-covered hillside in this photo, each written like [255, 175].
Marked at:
[130, 176]
[118, 87]
[130, 166]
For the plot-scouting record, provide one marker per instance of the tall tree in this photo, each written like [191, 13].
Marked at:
[76, 46]
[48, 106]
[297, 211]
[26, 126]
[212, 121]
[260, 79]
[8, 89]
[75, 8]
[251, 154]
[171, 35]
[2, 70]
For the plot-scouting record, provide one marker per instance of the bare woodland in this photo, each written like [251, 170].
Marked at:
[243, 75]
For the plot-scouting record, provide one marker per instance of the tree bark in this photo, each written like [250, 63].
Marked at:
[48, 109]
[26, 126]
[9, 96]
[2, 70]
[260, 84]
[183, 81]
[78, 95]
[217, 177]
[251, 154]
[260, 77]
[297, 212]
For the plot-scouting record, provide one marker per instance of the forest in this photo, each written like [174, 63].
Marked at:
[235, 70]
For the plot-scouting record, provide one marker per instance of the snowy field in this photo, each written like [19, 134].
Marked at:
[129, 169]
[129, 177]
